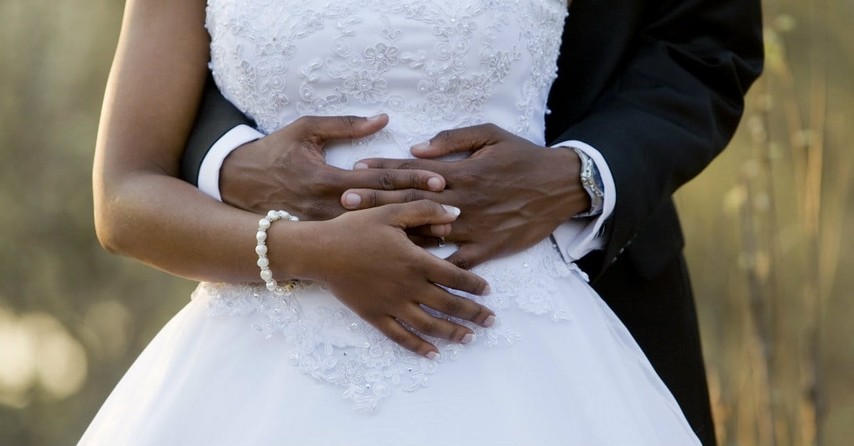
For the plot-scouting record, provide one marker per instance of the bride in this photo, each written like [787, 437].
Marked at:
[362, 347]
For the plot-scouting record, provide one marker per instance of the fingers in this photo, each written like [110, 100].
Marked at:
[432, 166]
[469, 256]
[369, 198]
[423, 322]
[419, 213]
[407, 339]
[424, 241]
[321, 129]
[396, 179]
[431, 236]
[459, 307]
[436, 327]
[467, 139]
[443, 272]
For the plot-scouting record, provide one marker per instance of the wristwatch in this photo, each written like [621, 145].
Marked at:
[591, 180]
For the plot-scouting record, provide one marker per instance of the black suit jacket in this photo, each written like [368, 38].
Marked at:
[658, 88]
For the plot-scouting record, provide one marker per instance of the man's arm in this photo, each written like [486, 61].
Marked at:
[266, 172]
[669, 103]
[216, 117]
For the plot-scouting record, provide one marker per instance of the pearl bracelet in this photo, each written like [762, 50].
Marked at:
[261, 250]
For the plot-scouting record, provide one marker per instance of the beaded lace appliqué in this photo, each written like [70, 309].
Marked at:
[457, 60]
[333, 345]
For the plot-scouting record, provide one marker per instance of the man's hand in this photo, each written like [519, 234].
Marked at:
[513, 193]
[287, 169]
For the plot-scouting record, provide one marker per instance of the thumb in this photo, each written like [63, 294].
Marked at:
[322, 129]
[446, 142]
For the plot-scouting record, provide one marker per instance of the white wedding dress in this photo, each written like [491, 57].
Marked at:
[239, 366]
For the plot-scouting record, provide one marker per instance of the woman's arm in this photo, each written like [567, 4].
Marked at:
[143, 211]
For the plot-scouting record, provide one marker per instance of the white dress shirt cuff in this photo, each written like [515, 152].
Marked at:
[576, 238]
[212, 162]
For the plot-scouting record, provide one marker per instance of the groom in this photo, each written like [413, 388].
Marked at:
[649, 91]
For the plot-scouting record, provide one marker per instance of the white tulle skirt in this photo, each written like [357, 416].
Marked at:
[235, 367]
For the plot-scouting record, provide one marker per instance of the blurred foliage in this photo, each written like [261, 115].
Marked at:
[768, 228]
[72, 317]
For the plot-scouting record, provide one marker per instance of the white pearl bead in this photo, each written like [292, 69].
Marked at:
[261, 236]
[263, 262]
[271, 285]
[293, 218]
[261, 250]
[273, 215]
[264, 223]
[266, 275]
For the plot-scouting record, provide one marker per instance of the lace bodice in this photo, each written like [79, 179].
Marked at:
[430, 65]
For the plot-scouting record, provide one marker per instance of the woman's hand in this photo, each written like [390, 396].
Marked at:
[369, 264]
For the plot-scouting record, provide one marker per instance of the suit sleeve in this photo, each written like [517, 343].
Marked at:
[671, 103]
[216, 117]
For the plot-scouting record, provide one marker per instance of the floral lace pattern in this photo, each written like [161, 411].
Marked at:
[331, 344]
[432, 65]
[369, 43]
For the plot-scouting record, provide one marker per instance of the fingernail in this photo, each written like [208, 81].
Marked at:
[437, 229]
[376, 117]
[486, 290]
[352, 200]
[421, 146]
[489, 321]
[361, 165]
[452, 210]
[432, 355]
[467, 339]
[434, 184]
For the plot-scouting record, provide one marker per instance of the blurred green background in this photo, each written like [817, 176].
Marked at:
[769, 228]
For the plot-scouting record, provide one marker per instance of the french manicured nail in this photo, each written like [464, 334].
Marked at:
[434, 184]
[489, 321]
[376, 117]
[432, 355]
[486, 290]
[467, 339]
[362, 165]
[421, 146]
[352, 200]
[452, 210]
